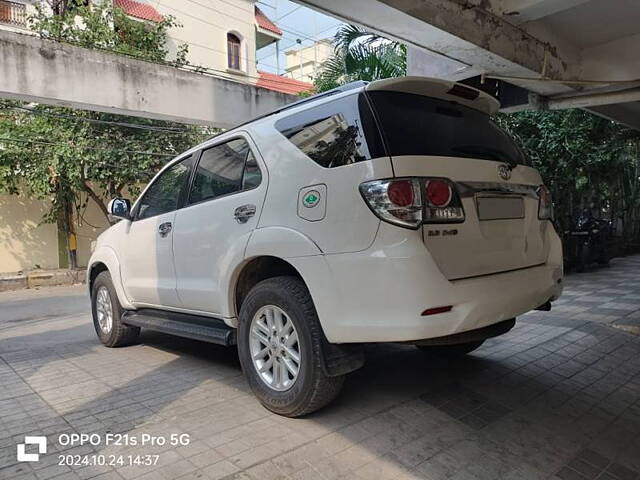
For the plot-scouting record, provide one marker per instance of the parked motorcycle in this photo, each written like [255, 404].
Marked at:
[590, 241]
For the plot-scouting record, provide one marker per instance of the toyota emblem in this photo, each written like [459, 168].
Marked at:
[504, 171]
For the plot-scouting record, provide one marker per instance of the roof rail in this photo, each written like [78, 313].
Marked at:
[342, 88]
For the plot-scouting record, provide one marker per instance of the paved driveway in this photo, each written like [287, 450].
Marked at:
[557, 397]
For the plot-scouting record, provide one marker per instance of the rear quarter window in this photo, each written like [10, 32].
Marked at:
[337, 133]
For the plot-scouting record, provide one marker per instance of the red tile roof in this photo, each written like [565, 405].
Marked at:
[275, 82]
[263, 22]
[138, 10]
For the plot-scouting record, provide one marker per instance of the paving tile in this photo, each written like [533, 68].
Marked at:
[621, 472]
[567, 473]
[219, 470]
[556, 397]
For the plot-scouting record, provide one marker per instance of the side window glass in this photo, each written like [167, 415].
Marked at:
[164, 193]
[337, 133]
[219, 171]
[252, 175]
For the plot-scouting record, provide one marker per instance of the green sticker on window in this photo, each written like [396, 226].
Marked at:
[311, 198]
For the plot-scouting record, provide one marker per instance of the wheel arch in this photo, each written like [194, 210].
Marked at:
[268, 253]
[95, 269]
[254, 270]
[337, 359]
[105, 259]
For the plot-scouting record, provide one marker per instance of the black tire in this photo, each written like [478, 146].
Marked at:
[120, 334]
[582, 258]
[605, 257]
[312, 389]
[450, 350]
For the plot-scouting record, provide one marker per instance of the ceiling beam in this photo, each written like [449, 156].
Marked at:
[585, 100]
[461, 31]
[627, 113]
[521, 11]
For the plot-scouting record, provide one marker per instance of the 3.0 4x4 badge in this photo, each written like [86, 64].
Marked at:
[311, 198]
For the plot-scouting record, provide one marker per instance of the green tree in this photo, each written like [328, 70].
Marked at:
[44, 150]
[70, 157]
[361, 55]
[102, 26]
[588, 162]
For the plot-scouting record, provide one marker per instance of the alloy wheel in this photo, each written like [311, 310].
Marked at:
[274, 348]
[104, 310]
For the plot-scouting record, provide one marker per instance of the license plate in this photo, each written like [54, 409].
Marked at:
[499, 207]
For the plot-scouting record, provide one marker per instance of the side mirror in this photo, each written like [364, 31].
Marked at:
[120, 208]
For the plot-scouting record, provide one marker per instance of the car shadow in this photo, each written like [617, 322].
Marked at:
[403, 409]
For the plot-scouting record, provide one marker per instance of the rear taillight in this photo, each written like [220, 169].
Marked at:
[410, 202]
[395, 201]
[442, 203]
[439, 193]
[545, 205]
[402, 193]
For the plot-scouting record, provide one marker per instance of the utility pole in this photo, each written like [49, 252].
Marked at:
[315, 46]
[299, 42]
[275, 13]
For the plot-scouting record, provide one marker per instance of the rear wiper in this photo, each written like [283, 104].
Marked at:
[487, 153]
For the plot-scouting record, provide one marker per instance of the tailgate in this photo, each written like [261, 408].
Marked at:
[501, 230]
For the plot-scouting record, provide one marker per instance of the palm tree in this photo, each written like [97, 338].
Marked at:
[361, 55]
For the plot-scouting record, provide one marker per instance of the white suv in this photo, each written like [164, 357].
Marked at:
[393, 211]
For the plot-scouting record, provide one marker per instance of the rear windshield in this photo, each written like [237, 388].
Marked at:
[418, 125]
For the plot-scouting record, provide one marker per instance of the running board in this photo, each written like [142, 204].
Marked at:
[206, 329]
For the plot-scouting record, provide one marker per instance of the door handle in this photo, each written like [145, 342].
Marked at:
[164, 229]
[244, 213]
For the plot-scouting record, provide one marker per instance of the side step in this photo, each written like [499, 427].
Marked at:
[206, 329]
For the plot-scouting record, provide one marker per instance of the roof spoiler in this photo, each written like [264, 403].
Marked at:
[443, 89]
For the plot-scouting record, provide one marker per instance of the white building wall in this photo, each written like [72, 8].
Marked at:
[204, 28]
[305, 63]
[26, 242]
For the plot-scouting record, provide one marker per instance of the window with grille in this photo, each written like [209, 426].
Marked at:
[13, 13]
[233, 51]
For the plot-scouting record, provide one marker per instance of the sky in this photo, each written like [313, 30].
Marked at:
[298, 23]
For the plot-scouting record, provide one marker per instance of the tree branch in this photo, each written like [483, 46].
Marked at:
[94, 196]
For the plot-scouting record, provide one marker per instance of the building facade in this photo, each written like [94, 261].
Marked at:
[304, 64]
[223, 37]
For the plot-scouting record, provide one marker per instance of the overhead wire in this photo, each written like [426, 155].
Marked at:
[193, 68]
[288, 13]
[213, 9]
[199, 68]
[63, 144]
[261, 2]
[98, 121]
[319, 34]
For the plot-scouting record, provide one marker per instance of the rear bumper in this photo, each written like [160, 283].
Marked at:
[378, 295]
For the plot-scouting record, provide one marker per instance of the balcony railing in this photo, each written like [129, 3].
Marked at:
[13, 13]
